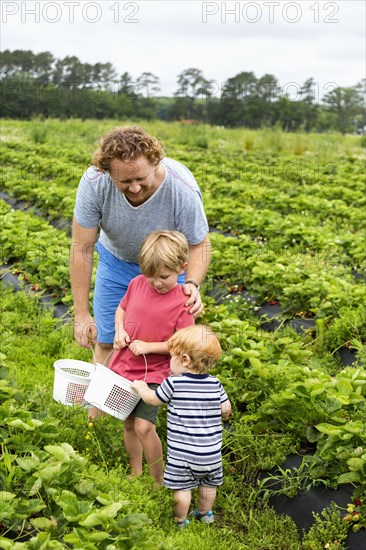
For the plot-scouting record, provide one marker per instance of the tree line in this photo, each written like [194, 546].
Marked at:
[41, 85]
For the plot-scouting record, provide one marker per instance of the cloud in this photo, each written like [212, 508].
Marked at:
[292, 40]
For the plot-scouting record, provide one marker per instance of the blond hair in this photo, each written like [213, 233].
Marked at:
[127, 144]
[163, 249]
[199, 343]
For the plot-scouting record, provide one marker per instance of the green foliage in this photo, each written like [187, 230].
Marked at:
[328, 531]
[296, 237]
[346, 329]
[39, 131]
[37, 478]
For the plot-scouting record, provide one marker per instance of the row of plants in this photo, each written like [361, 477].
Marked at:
[290, 391]
[281, 198]
[38, 252]
[304, 285]
[64, 479]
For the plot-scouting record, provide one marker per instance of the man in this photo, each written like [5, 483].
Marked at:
[130, 190]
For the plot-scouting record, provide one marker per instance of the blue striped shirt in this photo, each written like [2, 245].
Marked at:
[194, 417]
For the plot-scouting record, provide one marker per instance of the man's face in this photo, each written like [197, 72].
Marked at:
[136, 179]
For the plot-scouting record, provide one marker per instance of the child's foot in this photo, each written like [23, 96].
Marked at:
[208, 517]
[182, 524]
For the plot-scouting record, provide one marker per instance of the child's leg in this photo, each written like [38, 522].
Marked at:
[206, 498]
[183, 501]
[153, 451]
[133, 446]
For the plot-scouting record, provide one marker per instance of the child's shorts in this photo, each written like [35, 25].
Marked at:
[145, 411]
[183, 475]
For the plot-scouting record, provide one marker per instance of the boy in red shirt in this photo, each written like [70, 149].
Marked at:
[152, 309]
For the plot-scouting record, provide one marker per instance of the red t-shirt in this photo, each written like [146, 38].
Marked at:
[151, 317]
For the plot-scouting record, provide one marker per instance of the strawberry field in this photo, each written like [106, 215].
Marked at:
[285, 292]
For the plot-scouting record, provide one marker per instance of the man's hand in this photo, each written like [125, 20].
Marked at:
[194, 299]
[85, 330]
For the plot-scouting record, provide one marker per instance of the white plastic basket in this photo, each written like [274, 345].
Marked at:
[72, 377]
[111, 393]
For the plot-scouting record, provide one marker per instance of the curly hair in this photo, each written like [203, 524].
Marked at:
[199, 343]
[126, 144]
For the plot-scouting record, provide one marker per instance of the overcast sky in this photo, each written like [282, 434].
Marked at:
[291, 40]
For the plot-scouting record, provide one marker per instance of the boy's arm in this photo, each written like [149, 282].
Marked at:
[121, 337]
[146, 393]
[139, 347]
[225, 409]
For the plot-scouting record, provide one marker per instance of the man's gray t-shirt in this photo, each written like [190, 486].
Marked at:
[176, 204]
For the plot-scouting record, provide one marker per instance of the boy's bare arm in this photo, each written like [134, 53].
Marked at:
[226, 409]
[146, 394]
[139, 347]
[121, 337]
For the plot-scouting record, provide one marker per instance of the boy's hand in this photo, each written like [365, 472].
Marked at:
[139, 347]
[138, 385]
[121, 339]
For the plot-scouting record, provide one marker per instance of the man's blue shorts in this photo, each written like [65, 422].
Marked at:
[112, 279]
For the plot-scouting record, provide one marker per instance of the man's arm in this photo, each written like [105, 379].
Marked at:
[81, 267]
[198, 262]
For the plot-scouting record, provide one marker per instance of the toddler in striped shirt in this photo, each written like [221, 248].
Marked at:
[197, 403]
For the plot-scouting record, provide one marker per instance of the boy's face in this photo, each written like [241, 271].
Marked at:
[178, 364]
[163, 280]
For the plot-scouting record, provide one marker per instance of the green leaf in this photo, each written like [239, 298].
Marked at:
[28, 463]
[312, 434]
[42, 524]
[5, 496]
[31, 506]
[18, 423]
[329, 429]
[319, 389]
[98, 518]
[346, 437]
[49, 472]
[238, 352]
[7, 511]
[98, 536]
[68, 501]
[344, 387]
[349, 477]
[255, 362]
[331, 405]
[51, 281]
[56, 450]
[69, 449]
[36, 487]
[6, 544]
[356, 463]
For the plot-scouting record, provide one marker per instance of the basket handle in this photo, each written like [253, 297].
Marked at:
[93, 352]
[110, 353]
